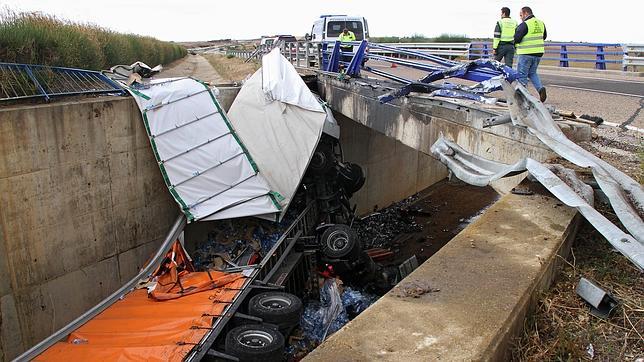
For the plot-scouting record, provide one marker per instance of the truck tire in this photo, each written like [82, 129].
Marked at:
[255, 343]
[279, 308]
[322, 161]
[352, 178]
[340, 241]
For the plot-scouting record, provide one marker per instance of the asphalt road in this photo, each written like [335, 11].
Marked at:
[625, 87]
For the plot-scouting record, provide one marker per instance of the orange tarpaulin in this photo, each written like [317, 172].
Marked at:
[161, 327]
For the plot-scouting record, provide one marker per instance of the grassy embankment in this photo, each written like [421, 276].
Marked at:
[232, 69]
[36, 38]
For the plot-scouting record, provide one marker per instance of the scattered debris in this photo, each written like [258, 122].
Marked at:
[380, 229]
[598, 120]
[602, 303]
[337, 306]
[413, 290]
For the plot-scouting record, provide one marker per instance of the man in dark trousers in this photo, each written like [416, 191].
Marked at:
[503, 44]
[529, 41]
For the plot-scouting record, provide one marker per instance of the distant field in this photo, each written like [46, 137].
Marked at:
[35, 38]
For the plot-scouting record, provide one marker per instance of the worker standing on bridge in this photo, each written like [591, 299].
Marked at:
[529, 40]
[503, 44]
[346, 36]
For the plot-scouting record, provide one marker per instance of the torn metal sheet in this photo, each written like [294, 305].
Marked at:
[602, 303]
[205, 166]
[479, 171]
[625, 194]
[132, 73]
[456, 93]
[489, 73]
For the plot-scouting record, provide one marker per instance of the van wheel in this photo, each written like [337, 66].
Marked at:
[279, 308]
[255, 343]
[340, 241]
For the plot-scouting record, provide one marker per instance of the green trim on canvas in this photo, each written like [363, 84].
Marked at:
[229, 125]
[136, 92]
[275, 196]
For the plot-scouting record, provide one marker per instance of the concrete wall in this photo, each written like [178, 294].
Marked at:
[394, 171]
[83, 207]
[418, 121]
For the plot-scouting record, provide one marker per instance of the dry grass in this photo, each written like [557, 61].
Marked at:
[232, 69]
[562, 328]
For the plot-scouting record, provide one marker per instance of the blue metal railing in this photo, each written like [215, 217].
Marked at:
[21, 81]
[349, 58]
[562, 52]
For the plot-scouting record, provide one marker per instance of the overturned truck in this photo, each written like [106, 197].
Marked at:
[272, 187]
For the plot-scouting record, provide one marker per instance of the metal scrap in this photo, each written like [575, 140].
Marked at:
[479, 171]
[602, 303]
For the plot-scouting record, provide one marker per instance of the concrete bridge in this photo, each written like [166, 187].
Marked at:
[85, 206]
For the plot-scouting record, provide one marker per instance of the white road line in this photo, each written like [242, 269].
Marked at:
[592, 78]
[595, 90]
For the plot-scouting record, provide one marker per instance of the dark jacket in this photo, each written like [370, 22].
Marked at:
[522, 30]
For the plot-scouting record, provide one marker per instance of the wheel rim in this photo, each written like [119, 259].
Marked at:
[274, 302]
[318, 160]
[255, 339]
[338, 240]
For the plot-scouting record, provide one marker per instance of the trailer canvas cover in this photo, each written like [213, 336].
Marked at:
[206, 168]
[280, 121]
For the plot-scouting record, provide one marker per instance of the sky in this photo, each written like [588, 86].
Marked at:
[189, 20]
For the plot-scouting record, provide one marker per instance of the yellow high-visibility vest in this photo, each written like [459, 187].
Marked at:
[508, 27]
[349, 36]
[532, 42]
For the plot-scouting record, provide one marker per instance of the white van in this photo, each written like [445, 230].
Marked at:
[329, 27]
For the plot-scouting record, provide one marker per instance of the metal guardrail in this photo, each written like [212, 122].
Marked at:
[21, 81]
[562, 53]
[349, 58]
[629, 55]
[633, 56]
[442, 49]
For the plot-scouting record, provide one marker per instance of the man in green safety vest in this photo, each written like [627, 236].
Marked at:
[346, 36]
[503, 44]
[529, 41]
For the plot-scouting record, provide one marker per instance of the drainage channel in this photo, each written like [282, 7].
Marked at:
[423, 223]
[333, 292]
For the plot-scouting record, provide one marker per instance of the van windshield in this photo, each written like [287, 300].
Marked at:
[334, 28]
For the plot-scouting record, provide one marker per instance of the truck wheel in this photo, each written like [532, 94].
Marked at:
[279, 308]
[340, 241]
[321, 162]
[255, 343]
[352, 178]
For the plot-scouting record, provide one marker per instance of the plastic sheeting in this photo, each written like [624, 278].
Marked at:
[140, 328]
[280, 121]
[479, 171]
[206, 168]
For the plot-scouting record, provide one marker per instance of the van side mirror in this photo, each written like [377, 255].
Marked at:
[307, 37]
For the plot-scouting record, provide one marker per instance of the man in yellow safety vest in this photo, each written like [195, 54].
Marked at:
[346, 36]
[503, 44]
[529, 41]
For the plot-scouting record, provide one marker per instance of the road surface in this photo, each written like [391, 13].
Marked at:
[628, 87]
